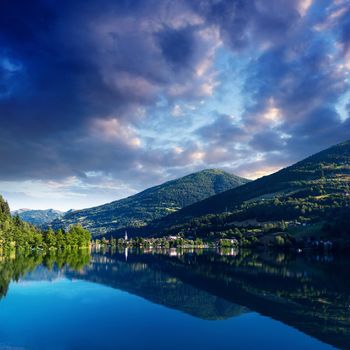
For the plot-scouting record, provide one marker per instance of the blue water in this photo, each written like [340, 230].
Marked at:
[74, 314]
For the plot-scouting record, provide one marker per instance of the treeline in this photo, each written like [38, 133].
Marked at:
[16, 234]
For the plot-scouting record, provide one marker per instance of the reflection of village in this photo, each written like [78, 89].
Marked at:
[182, 251]
[169, 245]
[171, 252]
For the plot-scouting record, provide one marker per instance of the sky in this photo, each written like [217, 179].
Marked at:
[100, 99]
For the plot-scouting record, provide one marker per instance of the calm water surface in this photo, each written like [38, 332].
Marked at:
[175, 300]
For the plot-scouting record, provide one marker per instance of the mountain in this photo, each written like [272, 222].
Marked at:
[38, 217]
[312, 191]
[151, 204]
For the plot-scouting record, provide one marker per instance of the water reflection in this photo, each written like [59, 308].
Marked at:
[147, 275]
[310, 293]
[16, 267]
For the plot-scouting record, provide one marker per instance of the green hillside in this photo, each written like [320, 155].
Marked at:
[313, 191]
[153, 203]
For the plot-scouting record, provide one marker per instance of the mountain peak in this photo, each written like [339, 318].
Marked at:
[152, 203]
[319, 178]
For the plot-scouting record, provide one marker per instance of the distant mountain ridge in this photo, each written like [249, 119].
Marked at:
[151, 204]
[38, 217]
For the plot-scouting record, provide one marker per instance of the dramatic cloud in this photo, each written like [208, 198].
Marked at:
[99, 99]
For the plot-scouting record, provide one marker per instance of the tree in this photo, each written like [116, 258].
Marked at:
[50, 239]
[60, 239]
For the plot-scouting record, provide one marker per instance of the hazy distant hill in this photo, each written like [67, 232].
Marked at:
[313, 190]
[38, 217]
[153, 203]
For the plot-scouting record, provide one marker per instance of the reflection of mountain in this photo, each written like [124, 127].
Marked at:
[41, 273]
[146, 279]
[313, 296]
[310, 294]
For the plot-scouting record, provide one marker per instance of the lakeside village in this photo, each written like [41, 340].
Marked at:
[276, 240]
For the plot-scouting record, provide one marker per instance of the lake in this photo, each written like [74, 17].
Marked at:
[175, 300]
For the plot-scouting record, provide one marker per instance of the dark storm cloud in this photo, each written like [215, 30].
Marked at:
[267, 141]
[222, 131]
[176, 45]
[64, 65]
[243, 22]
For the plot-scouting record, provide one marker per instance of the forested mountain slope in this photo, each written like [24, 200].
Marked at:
[151, 204]
[311, 190]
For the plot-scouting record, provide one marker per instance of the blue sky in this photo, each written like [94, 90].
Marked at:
[101, 99]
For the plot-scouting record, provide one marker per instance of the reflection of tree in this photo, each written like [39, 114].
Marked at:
[12, 268]
[75, 259]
